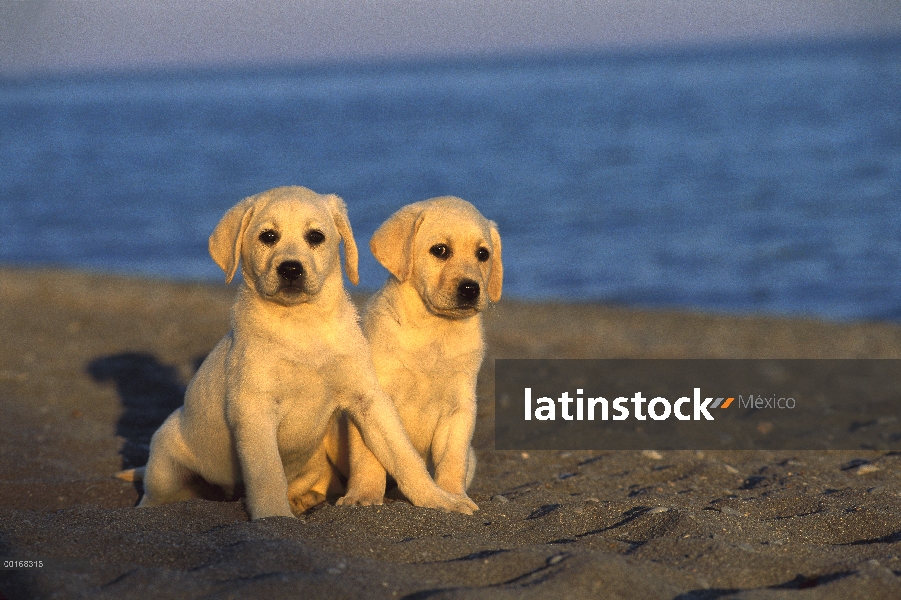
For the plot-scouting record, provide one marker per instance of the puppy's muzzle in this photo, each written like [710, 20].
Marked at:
[468, 293]
[290, 274]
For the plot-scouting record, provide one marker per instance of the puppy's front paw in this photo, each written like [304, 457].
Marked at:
[360, 499]
[451, 503]
[272, 509]
[467, 502]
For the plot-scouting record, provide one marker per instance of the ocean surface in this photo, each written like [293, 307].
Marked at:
[747, 179]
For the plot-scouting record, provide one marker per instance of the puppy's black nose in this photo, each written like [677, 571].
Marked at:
[290, 270]
[468, 291]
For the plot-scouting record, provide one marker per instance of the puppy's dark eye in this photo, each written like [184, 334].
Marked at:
[314, 237]
[269, 237]
[440, 251]
[482, 254]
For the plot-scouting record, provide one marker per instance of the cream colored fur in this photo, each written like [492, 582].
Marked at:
[426, 339]
[260, 411]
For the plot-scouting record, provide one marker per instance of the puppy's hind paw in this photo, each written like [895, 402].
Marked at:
[306, 501]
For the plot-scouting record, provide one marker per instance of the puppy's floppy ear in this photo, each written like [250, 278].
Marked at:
[392, 243]
[496, 278]
[342, 224]
[225, 242]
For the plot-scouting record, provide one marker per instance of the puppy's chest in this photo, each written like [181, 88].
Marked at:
[435, 355]
[300, 373]
[304, 349]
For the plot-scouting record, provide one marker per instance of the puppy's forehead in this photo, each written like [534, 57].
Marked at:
[454, 221]
[293, 212]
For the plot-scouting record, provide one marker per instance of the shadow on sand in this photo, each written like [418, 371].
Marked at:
[149, 392]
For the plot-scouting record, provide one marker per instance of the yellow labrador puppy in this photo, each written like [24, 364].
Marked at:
[259, 411]
[425, 330]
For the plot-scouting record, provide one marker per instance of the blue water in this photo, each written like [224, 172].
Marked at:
[759, 179]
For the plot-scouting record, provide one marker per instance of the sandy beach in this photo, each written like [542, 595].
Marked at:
[90, 365]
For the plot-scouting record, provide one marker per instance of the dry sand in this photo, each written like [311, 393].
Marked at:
[91, 365]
